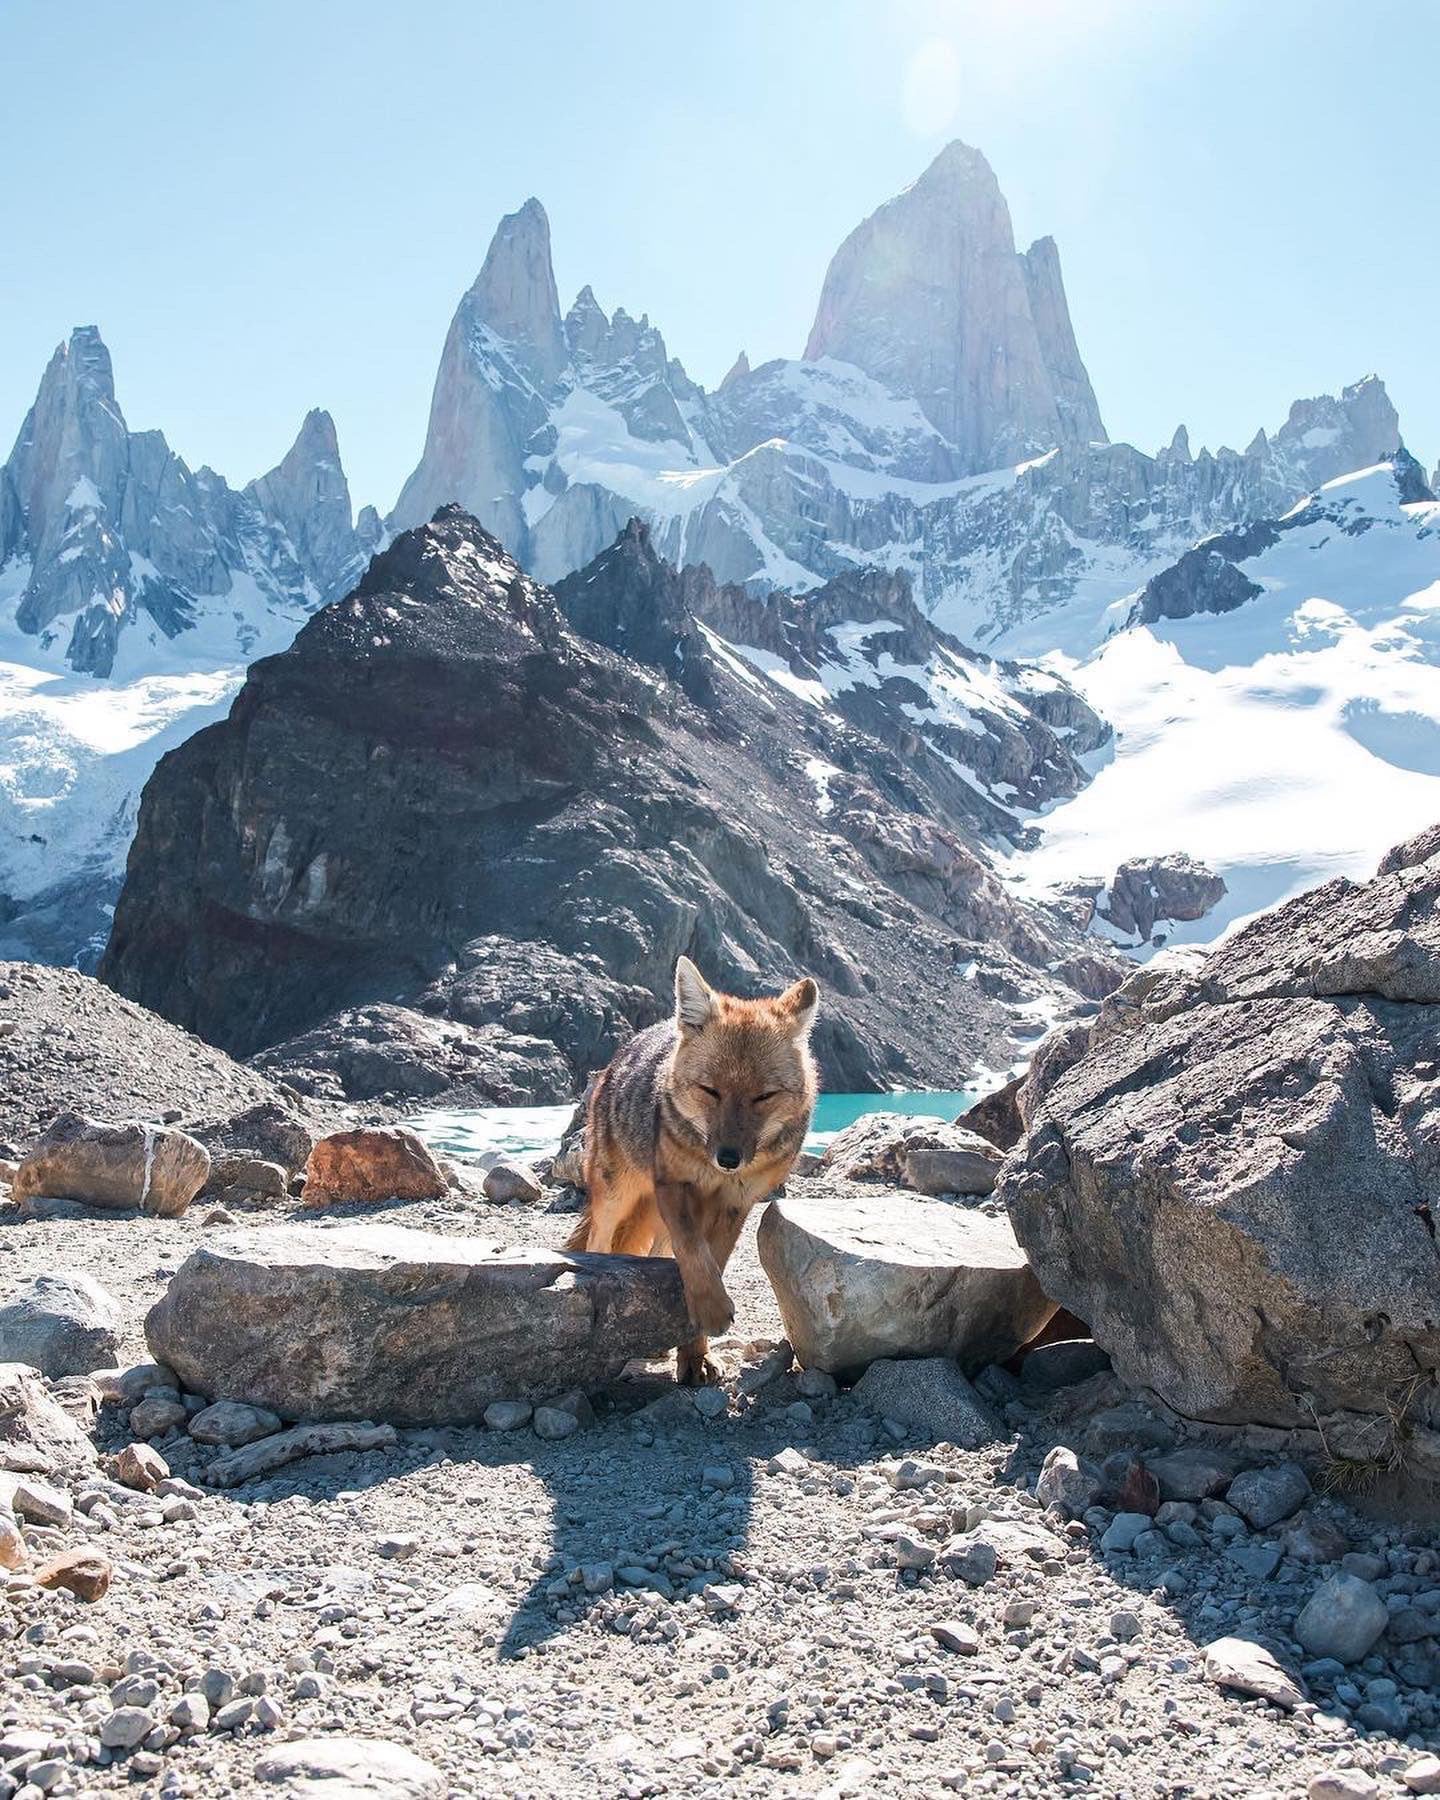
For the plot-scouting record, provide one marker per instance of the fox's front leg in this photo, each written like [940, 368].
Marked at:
[709, 1306]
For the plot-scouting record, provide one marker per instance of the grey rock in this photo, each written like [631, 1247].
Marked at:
[124, 1728]
[929, 1395]
[1343, 1618]
[350, 1768]
[1263, 1497]
[1193, 1472]
[878, 1146]
[230, 1422]
[964, 1171]
[507, 1415]
[1152, 890]
[552, 1422]
[862, 1273]
[1248, 1668]
[1061, 1364]
[61, 1323]
[1256, 1274]
[509, 1181]
[1121, 1533]
[289, 1318]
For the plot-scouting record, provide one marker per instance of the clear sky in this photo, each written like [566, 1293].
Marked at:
[273, 204]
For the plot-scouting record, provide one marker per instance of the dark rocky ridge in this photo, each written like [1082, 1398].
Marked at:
[445, 800]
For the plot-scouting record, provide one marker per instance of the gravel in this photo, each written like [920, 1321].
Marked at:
[774, 1591]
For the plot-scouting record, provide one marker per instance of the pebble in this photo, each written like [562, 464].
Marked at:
[956, 1636]
[553, 1423]
[126, 1727]
[507, 1415]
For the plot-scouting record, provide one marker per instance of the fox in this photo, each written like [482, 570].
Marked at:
[695, 1121]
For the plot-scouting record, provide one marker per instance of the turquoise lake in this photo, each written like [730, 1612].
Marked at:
[535, 1130]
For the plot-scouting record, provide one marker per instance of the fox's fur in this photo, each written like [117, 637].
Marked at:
[694, 1121]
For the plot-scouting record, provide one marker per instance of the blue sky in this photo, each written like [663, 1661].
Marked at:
[270, 206]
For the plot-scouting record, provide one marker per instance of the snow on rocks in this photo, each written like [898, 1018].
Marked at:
[862, 1273]
[289, 1318]
[154, 1168]
[61, 1322]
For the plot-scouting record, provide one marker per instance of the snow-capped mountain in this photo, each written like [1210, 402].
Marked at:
[133, 593]
[941, 424]
[1275, 695]
[936, 459]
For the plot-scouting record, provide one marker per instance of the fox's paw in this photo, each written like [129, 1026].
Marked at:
[694, 1368]
[711, 1313]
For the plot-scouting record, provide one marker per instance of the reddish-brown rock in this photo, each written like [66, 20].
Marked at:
[85, 1572]
[377, 1162]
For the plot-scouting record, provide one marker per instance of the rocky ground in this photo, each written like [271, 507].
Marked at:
[761, 1592]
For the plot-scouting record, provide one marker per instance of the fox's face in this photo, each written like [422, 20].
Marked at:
[742, 1074]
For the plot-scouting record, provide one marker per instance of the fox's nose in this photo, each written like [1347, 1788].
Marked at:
[728, 1158]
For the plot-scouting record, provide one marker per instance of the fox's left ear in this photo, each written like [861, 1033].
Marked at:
[693, 998]
[799, 1004]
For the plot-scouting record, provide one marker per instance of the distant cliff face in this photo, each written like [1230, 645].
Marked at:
[445, 777]
[929, 297]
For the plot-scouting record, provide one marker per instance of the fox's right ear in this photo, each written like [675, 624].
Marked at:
[693, 998]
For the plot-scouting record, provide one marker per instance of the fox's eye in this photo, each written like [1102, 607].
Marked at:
[760, 1099]
[712, 1092]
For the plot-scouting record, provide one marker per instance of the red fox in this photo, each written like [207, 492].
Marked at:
[693, 1122]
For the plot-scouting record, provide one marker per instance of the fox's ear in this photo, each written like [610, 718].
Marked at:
[693, 998]
[799, 1005]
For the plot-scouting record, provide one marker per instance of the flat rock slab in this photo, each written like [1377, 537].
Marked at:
[408, 1327]
[867, 1272]
[346, 1768]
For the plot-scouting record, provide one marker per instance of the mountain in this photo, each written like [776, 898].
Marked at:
[133, 591]
[940, 423]
[929, 297]
[453, 839]
[1275, 694]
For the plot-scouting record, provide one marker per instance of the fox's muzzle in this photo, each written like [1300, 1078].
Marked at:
[726, 1158]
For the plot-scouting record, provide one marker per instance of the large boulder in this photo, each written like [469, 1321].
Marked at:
[410, 1327]
[152, 1167]
[1234, 1183]
[1150, 890]
[61, 1322]
[862, 1273]
[879, 1146]
[375, 1162]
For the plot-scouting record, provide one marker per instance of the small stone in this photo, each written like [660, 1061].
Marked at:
[956, 1636]
[397, 1549]
[1063, 1482]
[142, 1467]
[1343, 1784]
[40, 1504]
[1122, 1531]
[1193, 1472]
[553, 1423]
[717, 1475]
[126, 1727]
[1127, 1485]
[1423, 1775]
[232, 1423]
[930, 1395]
[84, 1572]
[911, 1553]
[155, 1416]
[1263, 1497]
[13, 1554]
[1342, 1618]
[191, 1712]
[508, 1183]
[341, 1765]
[710, 1402]
[816, 1384]
[788, 1462]
[724, 1596]
[233, 1714]
[974, 1563]
[507, 1415]
[1249, 1668]
[1124, 1625]
[1313, 1541]
[1258, 1561]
